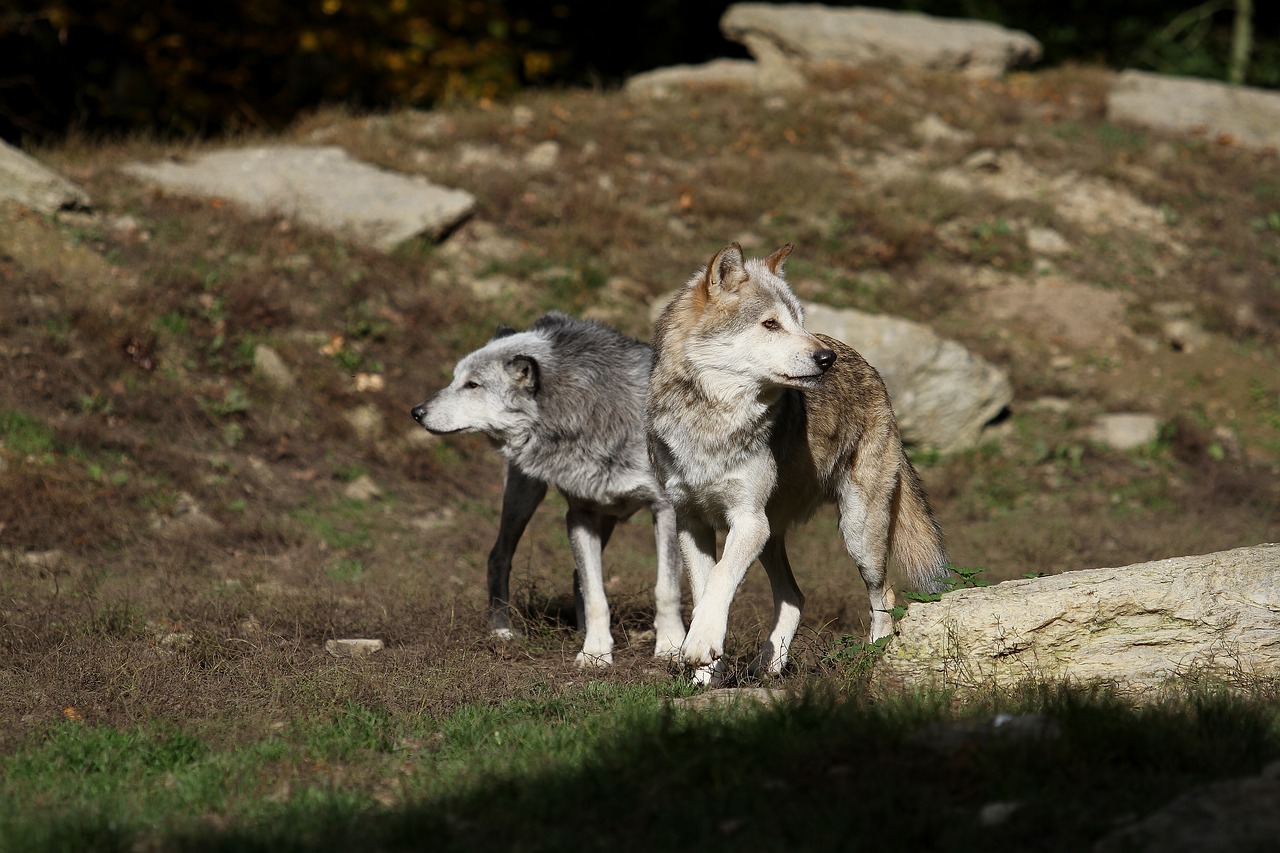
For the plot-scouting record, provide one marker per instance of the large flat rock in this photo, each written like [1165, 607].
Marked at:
[27, 181]
[1186, 105]
[1137, 626]
[320, 186]
[818, 34]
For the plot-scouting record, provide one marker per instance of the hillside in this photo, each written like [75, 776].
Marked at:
[182, 531]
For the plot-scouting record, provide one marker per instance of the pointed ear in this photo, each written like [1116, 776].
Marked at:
[523, 370]
[725, 273]
[776, 261]
[503, 331]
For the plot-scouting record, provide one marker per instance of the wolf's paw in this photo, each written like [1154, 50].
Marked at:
[668, 640]
[586, 660]
[701, 647]
[503, 634]
[711, 675]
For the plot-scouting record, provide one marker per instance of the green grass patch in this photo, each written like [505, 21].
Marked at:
[25, 435]
[616, 766]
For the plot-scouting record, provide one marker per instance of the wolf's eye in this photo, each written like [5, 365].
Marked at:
[771, 324]
[470, 384]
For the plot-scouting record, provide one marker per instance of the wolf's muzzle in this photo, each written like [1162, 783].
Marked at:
[419, 412]
[824, 358]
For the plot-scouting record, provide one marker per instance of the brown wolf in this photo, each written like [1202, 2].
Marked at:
[753, 422]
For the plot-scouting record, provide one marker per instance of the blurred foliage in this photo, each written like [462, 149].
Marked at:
[184, 69]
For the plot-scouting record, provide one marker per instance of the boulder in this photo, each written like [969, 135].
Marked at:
[1214, 615]
[24, 180]
[942, 393]
[1223, 817]
[320, 186]
[1185, 105]
[813, 34]
[742, 74]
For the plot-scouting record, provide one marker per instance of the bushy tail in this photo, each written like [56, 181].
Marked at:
[914, 536]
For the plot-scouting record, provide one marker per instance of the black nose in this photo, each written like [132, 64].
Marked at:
[419, 412]
[824, 358]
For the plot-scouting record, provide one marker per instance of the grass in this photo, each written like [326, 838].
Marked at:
[619, 766]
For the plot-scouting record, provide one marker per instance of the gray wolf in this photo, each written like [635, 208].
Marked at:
[564, 404]
[753, 422]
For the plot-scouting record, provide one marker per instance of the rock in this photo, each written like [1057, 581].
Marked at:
[543, 156]
[736, 696]
[1225, 817]
[320, 186]
[1184, 335]
[187, 517]
[942, 393]
[268, 364]
[1215, 615]
[813, 34]
[1125, 430]
[953, 736]
[933, 130]
[24, 180]
[742, 74]
[362, 488]
[1046, 241]
[354, 648]
[1184, 105]
[366, 422]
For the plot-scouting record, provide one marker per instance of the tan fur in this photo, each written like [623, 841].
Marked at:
[752, 427]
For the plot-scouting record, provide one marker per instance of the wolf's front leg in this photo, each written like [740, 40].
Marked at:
[668, 623]
[521, 495]
[585, 529]
[704, 644]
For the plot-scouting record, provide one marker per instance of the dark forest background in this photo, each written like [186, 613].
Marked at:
[178, 69]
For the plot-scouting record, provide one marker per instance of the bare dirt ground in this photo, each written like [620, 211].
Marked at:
[181, 534]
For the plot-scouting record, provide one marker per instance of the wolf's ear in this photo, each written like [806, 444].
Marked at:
[725, 273]
[778, 259]
[523, 370]
[503, 331]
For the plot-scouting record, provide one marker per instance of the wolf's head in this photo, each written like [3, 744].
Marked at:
[493, 389]
[739, 320]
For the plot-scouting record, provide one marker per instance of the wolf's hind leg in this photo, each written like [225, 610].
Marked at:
[668, 623]
[788, 602]
[521, 495]
[864, 524]
[586, 531]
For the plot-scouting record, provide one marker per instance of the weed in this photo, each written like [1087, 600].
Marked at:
[961, 578]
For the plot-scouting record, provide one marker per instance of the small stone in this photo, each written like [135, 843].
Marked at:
[1046, 241]
[1125, 430]
[362, 488]
[365, 421]
[994, 814]
[353, 648]
[1184, 335]
[268, 364]
[543, 156]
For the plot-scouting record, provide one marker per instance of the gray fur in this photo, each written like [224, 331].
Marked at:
[564, 403]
